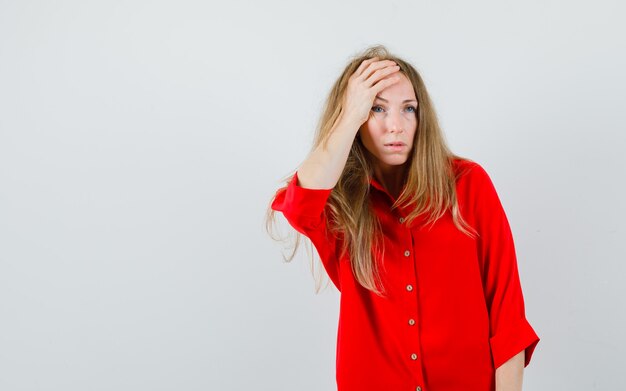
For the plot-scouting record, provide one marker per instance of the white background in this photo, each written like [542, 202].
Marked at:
[141, 141]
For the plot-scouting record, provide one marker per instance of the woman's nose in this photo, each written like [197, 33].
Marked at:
[394, 123]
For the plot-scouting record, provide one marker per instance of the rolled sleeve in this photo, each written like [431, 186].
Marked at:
[304, 209]
[510, 331]
[511, 340]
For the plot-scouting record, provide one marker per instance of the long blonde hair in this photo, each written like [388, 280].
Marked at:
[430, 179]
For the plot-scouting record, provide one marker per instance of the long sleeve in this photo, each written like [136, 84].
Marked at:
[510, 331]
[304, 209]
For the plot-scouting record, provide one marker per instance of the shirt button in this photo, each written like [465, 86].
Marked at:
[411, 322]
[409, 287]
[401, 219]
[418, 388]
[413, 356]
[407, 253]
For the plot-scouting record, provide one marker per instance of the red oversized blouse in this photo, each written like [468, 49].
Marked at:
[454, 310]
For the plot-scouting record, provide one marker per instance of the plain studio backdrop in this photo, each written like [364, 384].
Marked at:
[141, 142]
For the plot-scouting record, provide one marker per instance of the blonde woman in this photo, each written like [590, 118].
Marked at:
[413, 236]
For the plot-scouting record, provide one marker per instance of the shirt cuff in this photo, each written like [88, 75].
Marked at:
[511, 340]
[303, 207]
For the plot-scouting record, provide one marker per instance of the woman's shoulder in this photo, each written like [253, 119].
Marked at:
[469, 173]
[463, 166]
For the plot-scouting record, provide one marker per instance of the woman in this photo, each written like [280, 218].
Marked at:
[414, 237]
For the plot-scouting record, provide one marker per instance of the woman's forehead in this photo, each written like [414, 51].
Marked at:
[398, 92]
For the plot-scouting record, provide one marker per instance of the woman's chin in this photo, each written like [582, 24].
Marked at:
[395, 160]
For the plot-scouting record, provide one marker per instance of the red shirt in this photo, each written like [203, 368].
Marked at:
[455, 309]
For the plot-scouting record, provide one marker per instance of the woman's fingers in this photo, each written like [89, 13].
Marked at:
[382, 73]
[374, 67]
[370, 65]
[384, 83]
[364, 64]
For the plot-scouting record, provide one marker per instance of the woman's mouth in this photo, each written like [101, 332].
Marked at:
[395, 146]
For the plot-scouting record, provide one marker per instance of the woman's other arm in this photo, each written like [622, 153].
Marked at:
[509, 375]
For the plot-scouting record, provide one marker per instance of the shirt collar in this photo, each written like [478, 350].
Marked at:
[375, 184]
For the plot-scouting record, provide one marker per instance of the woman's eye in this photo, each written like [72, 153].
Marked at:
[379, 109]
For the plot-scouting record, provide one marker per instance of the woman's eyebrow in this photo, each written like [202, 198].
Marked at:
[404, 101]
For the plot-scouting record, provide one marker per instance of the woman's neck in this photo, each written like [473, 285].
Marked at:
[391, 178]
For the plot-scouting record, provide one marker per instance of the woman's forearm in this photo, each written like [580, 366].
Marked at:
[509, 375]
[323, 167]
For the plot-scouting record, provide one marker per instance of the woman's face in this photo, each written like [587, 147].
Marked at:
[388, 133]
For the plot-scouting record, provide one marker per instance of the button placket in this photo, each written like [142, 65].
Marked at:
[410, 288]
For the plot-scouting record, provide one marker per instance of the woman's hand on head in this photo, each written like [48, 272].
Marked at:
[364, 84]
[324, 166]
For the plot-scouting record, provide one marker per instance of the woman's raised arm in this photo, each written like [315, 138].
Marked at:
[324, 165]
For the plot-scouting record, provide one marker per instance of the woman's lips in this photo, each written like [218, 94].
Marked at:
[395, 146]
